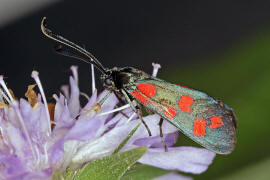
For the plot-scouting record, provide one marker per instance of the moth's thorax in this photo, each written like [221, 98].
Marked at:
[119, 78]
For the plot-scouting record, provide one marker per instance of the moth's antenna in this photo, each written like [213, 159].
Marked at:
[93, 60]
[59, 49]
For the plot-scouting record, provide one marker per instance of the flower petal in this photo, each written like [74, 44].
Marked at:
[118, 120]
[11, 165]
[152, 122]
[12, 117]
[65, 90]
[123, 116]
[186, 159]
[59, 105]
[65, 120]
[74, 101]
[26, 109]
[56, 151]
[155, 141]
[104, 145]
[40, 175]
[17, 140]
[107, 143]
[30, 117]
[108, 105]
[84, 129]
[90, 103]
[42, 126]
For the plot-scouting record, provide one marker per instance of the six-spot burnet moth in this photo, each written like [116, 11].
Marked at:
[201, 117]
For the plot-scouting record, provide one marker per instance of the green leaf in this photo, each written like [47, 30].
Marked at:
[126, 139]
[145, 172]
[67, 175]
[57, 175]
[111, 167]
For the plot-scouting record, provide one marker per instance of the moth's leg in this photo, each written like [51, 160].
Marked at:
[139, 113]
[137, 110]
[119, 97]
[161, 134]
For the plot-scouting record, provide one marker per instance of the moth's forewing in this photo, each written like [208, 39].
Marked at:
[205, 120]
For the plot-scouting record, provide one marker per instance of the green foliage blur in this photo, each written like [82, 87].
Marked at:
[239, 77]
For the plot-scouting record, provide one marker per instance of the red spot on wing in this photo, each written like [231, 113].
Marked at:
[215, 122]
[184, 86]
[185, 103]
[139, 97]
[170, 112]
[147, 89]
[199, 127]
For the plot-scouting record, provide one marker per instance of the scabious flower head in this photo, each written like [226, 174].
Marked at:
[39, 138]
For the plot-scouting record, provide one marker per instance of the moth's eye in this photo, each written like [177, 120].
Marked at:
[108, 82]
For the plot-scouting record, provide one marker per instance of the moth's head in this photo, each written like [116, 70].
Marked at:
[108, 79]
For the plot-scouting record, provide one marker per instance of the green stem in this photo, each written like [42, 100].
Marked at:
[126, 139]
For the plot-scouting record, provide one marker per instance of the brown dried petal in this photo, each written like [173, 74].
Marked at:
[12, 93]
[31, 95]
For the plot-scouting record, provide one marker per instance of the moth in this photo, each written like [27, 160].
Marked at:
[199, 116]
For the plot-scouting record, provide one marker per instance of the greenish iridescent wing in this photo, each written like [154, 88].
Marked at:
[204, 119]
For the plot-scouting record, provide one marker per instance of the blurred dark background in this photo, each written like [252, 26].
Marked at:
[221, 47]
